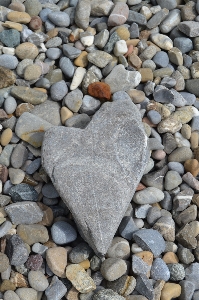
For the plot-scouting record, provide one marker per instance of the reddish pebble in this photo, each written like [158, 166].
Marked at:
[100, 90]
[158, 154]
[3, 173]
[34, 262]
[140, 187]
[130, 50]
[35, 23]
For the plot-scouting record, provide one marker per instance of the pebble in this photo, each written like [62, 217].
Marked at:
[26, 293]
[177, 272]
[159, 270]
[56, 259]
[56, 290]
[99, 58]
[8, 61]
[107, 293]
[63, 233]
[148, 196]
[23, 192]
[32, 234]
[16, 250]
[113, 268]
[11, 295]
[37, 281]
[80, 279]
[170, 291]
[73, 100]
[59, 18]
[58, 90]
[26, 50]
[118, 15]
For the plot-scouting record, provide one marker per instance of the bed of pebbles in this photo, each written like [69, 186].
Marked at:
[59, 61]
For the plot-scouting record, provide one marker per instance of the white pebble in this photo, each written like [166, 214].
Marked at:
[138, 222]
[77, 78]
[155, 9]
[145, 11]
[10, 105]
[87, 40]
[120, 48]
[195, 111]
[7, 50]
[135, 248]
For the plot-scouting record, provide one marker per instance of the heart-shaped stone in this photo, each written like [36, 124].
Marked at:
[97, 169]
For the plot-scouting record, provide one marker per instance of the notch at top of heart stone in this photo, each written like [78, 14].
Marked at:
[96, 170]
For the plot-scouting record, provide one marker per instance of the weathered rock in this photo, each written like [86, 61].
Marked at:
[7, 77]
[94, 174]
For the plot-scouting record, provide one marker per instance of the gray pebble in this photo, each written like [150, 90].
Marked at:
[54, 42]
[149, 195]
[58, 90]
[33, 166]
[192, 274]
[144, 286]
[49, 191]
[187, 291]
[23, 192]
[6, 155]
[43, 83]
[127, 228]
[154, 116]
[67, 67]
[73, 100]
[59, 18]
[80, 253]
[10, 105]
[159, 270]
[176, 166]
[44, 14]
[172, 180]
[63, 233]
[142, 210]
[183, 44]
[150, 240]
[71, 52]
[16, 250]
[107, 294]
[4, 228]
[153, 215]
[161, 59]
[78, 121]
[53, 53]
[8, 61]
[139, 266]
[10, 295]
[89, 105]
[38, 281]
[135, 17]
[177, 272]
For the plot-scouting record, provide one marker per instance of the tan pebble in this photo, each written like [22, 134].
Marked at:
[65, 114]
[17, 6]
[186, 131]
[157, 80]
[7, 285]
[146, 256]
[81, 60]
[144, 35]
[170, 291]
[56, 259]
[47, 219]
[6, 137]
[13, 25]
[79, 278]
[23, 107]
[3, 214]
[147, 74]
[40, 89]
[85, 264]
[136, 95]
[50, 244]
[91, 30]
[26, 50]
[194, 139]
[149, 43]
[170, 258]
[52, 33]
[19, 17]
[32, 72]
[123, 33]
[18, 279]
[134, 61]
[133, 42]
[192, 166]
[157, 205]
[72, 294]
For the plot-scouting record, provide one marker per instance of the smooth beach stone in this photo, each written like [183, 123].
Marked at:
[63, 233]
[59, 18]
[8, 61]
[31, 128]
[119, 14]
[82, 14]
[56, 290]
[28, 95]
[48, 111]
[115, 113]
[190, 28]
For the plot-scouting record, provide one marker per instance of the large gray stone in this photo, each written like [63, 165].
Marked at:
[96, 170]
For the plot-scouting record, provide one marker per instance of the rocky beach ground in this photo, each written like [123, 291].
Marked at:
[99, 105]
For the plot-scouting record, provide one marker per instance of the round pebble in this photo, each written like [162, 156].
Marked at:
[63, 233]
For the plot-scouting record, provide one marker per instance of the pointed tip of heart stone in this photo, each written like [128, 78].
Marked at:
[96, 170]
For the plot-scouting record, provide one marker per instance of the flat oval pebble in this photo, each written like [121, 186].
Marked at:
[37, 281]
[26, 50]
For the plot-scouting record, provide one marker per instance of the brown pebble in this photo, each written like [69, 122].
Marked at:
[19, 17]
[140, 187]
[146, 256]
[52, 33]
[3, 115]
[7, 285]
[194, 139]
[137, 96]
[85, 264]
[35, 23]
[6, 137]
[170, 258]
[18, 279]
[48, 215]
[135, 61]
[72, 294]
[81, 60]
[3, 173]
[133, 42]
[195, 199]
[147, 74]
[13, 25]
[23, 107]
[144, 34]
[41, 90]
[192, 166]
